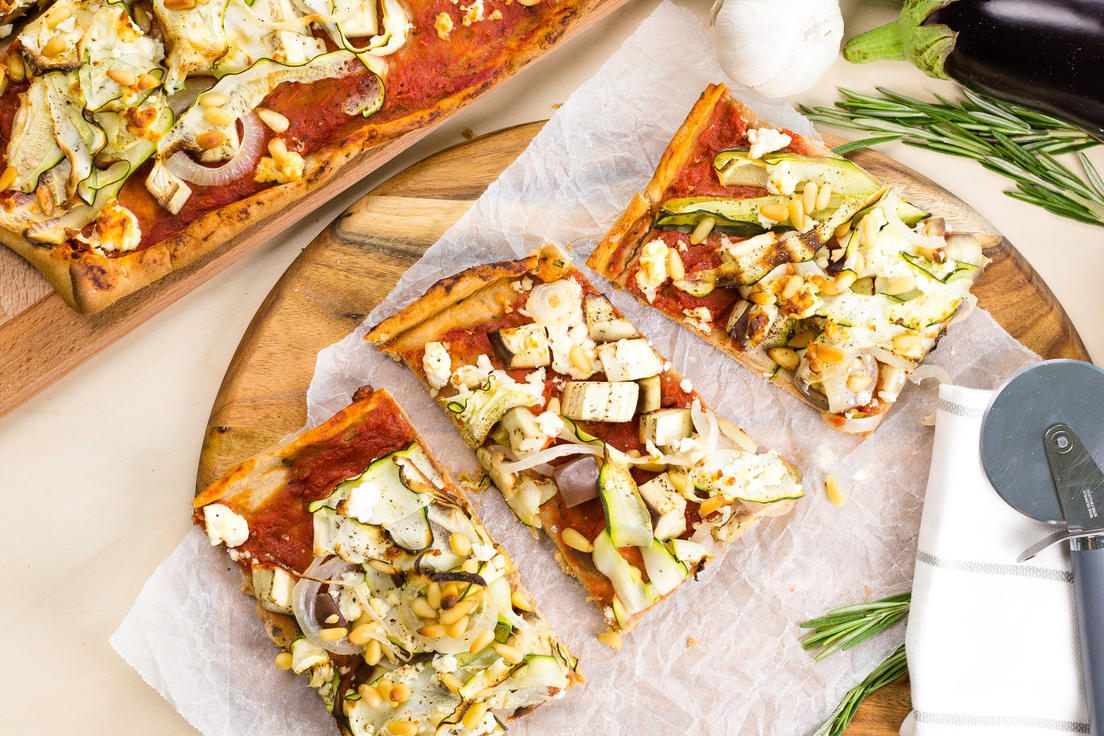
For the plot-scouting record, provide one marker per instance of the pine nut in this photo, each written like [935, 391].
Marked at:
[829, 354]
[8, 178]
[711, 504]
[278, 149]
[797, 213]
[460, 544]
[333, 618]
[481, 641]
[776, 211]
[471, 566]
[906, 342]
[56, 15]
[554, 405]
[475, 714]
[824, 196]
[403, 728]
[283, 659]
[274, 120]
[45, 199]
[701, 232]
[511, 654]
[433, 594]
[858, 382]
[381, 566]
[762, 298]
[792, 286]
[451, 681]
[901, 286]
[457, 612]
[457, 629]
[421, 607]
[575, 540]
[611, 639]
[450, 594]
[835, 493]
[148, 81]
[520, 602]
[870, 231]
[16, 70]
[844, 281]
[179, 4]
[784, 357]
[372, 652]
[217, 116]
[213, 99]
[579, 358]
[54, 47]
[801, 340]
[335, 634]
[123, 77]
[399, 694]
[211, 139]
[842, 230]
[674, 261]
[384, 689]
[370, 695]
[678, 480]
[809, 197]
[433, 631]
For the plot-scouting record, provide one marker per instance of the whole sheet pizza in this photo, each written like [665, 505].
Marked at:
[139, 136]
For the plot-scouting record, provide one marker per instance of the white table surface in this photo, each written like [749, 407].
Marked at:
[97, 472]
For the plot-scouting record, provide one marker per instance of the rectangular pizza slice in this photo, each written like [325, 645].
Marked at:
[377, 580]
[794, 261]
[586, 430]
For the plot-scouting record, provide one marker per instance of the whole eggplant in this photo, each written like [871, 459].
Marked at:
[1047, 55]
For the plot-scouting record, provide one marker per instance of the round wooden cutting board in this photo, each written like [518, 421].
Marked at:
[353, 264]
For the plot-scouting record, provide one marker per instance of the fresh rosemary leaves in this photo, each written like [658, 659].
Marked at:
[1010, 140]
[842, 628]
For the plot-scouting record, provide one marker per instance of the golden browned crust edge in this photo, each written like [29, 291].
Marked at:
[89, 282]
[546, 263]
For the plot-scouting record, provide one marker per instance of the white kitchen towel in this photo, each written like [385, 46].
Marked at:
[991, 643]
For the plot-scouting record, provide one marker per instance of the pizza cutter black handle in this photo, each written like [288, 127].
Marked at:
[1087, 557]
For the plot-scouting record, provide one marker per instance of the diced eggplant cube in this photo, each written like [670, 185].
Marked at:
[666, 426]
[599, 401]
[651, 394]
[629, 360]
[603, 322]
[522, 347]
[522, 431]
[577, 480]
[272, 587]
[667, 507]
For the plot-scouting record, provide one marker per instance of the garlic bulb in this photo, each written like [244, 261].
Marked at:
[778, 47]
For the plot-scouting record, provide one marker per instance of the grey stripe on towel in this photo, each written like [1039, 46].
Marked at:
[989, 568]
[954, 719]
[959, 410]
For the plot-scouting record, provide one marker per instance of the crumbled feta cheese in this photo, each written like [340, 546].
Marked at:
[862, 474]
[780, 180]
[550, 424]
[444, 25]
[574, 333]
[755, 472]
[686, 386]
[863, 397]
[116, 229]
[472, 13]
[437, 364]
[224, 525]
[700, 319]
[887, 396]
[290, 168]
[487, 725]
[536, 382]
[282, 585]
[667, 366]
[5, 30]
[652, 270]
[380, 607]
[362, 501]
[473, 376]
[445, 663]
[482, 552]
[344, 597]
[765, 140]
[393, 597]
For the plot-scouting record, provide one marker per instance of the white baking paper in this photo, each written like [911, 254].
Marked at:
[722, 655]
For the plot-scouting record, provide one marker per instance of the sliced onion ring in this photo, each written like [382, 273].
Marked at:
[860, 425]
[302, 602]
[931, 371]
[960, 313]
[552, 453]
[252, 144]
[554, 303]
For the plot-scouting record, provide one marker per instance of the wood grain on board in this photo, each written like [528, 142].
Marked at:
[356, 261]
[41, 339]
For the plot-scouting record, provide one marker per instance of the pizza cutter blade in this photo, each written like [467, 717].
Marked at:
[1042, 448]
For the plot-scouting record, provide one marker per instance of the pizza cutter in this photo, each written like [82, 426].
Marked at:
[1042, 448]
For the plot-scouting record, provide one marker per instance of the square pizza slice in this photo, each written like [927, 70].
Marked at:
[586, 430]
[375, 578]
[794, 261]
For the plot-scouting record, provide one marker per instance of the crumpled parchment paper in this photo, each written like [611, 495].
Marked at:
[721, 656]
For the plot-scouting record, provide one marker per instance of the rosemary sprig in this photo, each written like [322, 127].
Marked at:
[843, 628]
[1010, 140]
[888, 671]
